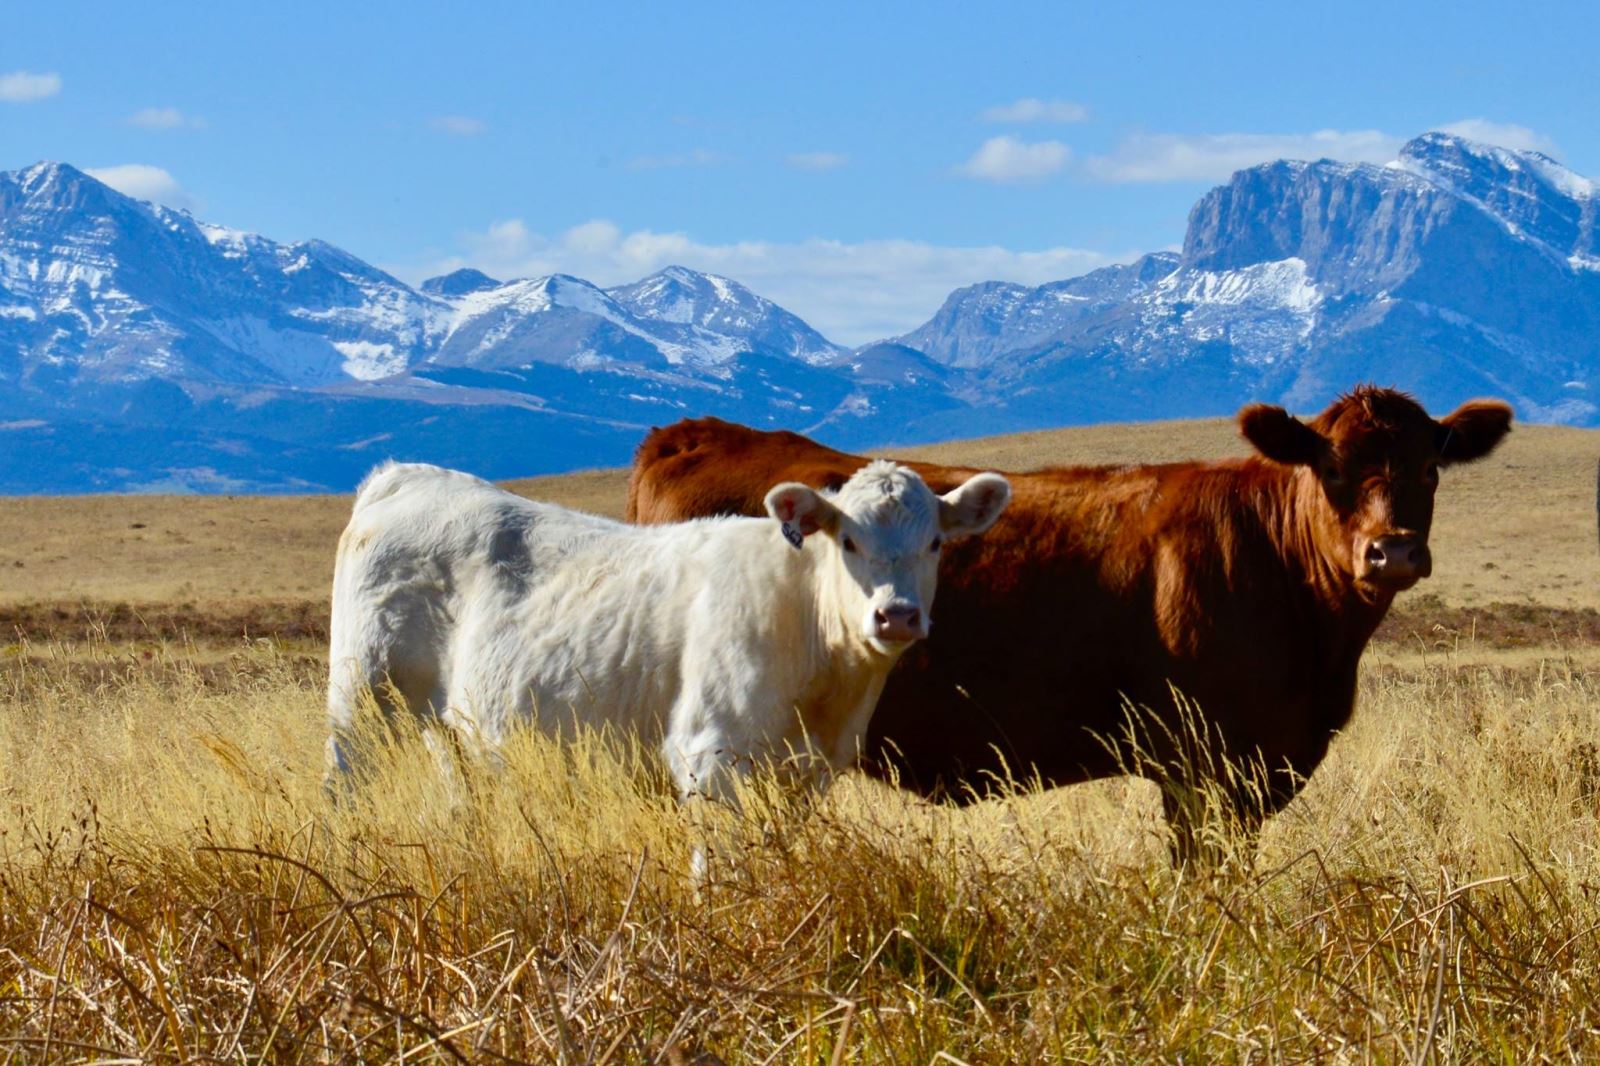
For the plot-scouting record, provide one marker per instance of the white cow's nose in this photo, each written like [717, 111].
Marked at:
[898, 622]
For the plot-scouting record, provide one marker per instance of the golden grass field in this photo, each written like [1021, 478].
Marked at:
[174, 885]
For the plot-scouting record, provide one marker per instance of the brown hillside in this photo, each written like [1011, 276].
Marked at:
[1518, 527]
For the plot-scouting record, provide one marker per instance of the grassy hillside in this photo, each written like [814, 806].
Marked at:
[1518, 526]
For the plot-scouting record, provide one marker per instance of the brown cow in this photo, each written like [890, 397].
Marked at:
[1250, 586]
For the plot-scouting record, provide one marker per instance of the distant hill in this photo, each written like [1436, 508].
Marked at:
[141, 348]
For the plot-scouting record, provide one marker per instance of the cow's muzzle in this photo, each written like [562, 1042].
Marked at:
[899, 623]
[1396, 561]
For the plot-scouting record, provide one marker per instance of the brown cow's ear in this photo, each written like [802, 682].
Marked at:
[1473, 430]
[1280, 436]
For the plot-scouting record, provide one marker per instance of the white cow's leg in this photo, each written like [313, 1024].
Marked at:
[346, 686]
[467, 736]
[808, 772]
[720, 817]
[708, 775]
[373, 678]
[451, 761]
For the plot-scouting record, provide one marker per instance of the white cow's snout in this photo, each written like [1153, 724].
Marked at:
[898, 621]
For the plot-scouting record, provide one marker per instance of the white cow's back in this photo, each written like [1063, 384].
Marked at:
[494, 607]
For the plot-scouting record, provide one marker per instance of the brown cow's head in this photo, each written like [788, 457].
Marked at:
[1376, 455]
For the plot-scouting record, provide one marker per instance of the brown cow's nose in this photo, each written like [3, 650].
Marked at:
[1399, 560]
[898, 622]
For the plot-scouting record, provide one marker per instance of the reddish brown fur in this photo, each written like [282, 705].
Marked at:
[1236, 582]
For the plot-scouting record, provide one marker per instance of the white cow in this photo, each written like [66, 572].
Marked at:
[723, 642]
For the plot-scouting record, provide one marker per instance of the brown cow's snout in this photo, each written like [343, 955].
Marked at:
[898, 622]
[1398, 560]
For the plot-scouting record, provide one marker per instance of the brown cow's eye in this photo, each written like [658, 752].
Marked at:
[848, 545]
[938, 542]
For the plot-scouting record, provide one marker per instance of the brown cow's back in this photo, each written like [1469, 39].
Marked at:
[709, 467]
[706, 466]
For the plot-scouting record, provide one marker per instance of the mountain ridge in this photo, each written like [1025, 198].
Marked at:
[1457, 269]
[140, 346]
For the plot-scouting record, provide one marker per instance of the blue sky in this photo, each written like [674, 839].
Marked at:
[853, 162]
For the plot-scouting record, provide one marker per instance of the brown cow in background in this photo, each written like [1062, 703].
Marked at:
[1249, 586]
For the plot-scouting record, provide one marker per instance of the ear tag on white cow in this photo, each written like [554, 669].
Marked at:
[793, 536]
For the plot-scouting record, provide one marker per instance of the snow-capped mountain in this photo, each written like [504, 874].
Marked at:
[121, 290]
[1459, 269]
[556, 319]
[980, 324]
[219, 353]
[142, 348]
[674, 318]
[96, 287]
[706, 305]
[459, 283]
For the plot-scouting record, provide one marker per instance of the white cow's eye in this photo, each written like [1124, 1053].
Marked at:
[938, 542]
[848, 545]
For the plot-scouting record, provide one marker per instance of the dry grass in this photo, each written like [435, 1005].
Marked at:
[174, 885]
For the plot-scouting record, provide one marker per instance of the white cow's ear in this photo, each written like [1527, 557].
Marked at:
[974, 506]
[801, 510]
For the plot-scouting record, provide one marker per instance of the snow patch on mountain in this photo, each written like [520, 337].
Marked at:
[366, 361]
[1282, 284]
[1264, 311]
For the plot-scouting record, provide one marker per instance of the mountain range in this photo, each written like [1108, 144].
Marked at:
[143, 349]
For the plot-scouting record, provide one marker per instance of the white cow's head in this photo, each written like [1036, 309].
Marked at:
[883, 531]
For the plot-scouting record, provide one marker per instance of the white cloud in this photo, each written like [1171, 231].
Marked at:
[699, 157]
[144, 182]
[458, 125]
[1150, 157]
[165, 118]
[21, 86]
[1008, 159]
[851, 292]
[1032, 109]
[1154, 157]
[1504, 134]
[817, 160]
